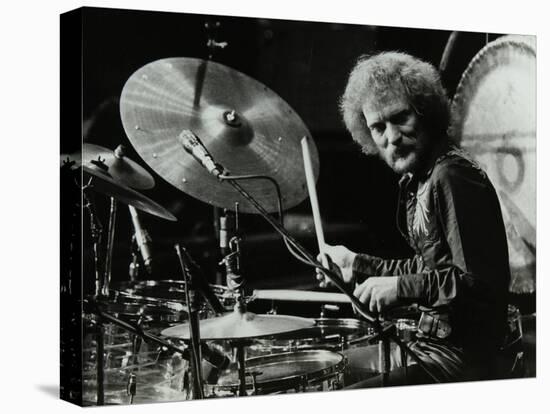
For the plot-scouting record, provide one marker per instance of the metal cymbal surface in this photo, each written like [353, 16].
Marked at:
[494, 112]
[246, 127]
[104, 184]
[121, 168]
[237, 325]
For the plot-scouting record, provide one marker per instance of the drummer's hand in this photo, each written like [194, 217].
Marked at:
[379, 293]
[340, 260]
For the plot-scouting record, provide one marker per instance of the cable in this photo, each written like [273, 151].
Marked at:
[288, 243]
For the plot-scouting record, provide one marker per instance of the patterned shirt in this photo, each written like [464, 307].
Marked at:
[450, 215]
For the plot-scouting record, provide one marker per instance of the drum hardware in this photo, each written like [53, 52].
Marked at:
[226, 225]
[133, 268]
[125, 171]
[407, 329]
[115, 162]
[332, 334]
[254, 375]
[328, 308]
[192, 300]
[99, 179]
[132, 382]
[100, 361]
[101, 182]
[238, 326]
[110, 244]
[301, 371]
[91, 306]
[96, 232]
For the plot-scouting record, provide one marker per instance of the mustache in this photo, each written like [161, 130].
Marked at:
[402, 151]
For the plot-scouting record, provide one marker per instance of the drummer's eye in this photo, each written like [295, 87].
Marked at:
[377, 128]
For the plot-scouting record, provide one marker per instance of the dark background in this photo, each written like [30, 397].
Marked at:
[306, 64]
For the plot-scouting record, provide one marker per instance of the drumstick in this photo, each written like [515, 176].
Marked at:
[310, 179]
[300, 295]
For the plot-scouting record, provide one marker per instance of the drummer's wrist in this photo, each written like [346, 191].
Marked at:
[362, 267]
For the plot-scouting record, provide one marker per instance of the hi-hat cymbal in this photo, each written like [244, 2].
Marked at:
[121, 168]
[494, 112]
[104, 184]
[237, 325]
[246, 127]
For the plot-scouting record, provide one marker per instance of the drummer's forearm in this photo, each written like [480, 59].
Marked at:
[365, 266]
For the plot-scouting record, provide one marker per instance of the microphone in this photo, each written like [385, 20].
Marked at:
[196, 148]
[227, 228]
[142, 239]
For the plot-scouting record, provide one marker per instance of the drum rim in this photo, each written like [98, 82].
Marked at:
[291, 381]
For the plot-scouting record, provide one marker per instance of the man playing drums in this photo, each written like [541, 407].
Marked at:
[395, 107]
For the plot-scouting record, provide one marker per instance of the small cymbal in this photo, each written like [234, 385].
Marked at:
[104, 184]
[237, 325]
[121, 168]
[246, 127]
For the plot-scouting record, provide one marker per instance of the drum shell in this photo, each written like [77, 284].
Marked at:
[335, 335]
[159, 374]
[290, 372]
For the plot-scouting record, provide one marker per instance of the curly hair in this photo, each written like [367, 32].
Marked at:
[385, 76]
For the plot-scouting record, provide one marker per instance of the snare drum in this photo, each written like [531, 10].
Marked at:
[302, 371]
[329, 334]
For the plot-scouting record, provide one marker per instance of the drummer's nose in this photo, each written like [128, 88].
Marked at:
[393, 134]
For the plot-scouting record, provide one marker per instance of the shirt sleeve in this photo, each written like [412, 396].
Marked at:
[365, 266]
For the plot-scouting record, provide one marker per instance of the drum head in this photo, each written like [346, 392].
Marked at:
[494, 119]
[286, 371]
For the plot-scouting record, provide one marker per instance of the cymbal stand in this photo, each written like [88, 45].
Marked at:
[133, 269]
[119, 153]
[192, 300]
[131, 387]
[96, 231]
[235, 283]
[110, 242]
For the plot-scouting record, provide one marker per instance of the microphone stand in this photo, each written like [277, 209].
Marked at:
[383, 335]
[192, 300]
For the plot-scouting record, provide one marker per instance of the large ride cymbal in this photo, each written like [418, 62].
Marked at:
[121, 168]
[101, 182]
[246, 127]
[237, 325]
[494, 112]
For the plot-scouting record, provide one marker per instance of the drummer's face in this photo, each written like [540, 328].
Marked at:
[397, 132]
